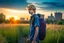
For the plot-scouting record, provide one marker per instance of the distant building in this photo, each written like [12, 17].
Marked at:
[58, 16]
[22, 19]
[51, 17]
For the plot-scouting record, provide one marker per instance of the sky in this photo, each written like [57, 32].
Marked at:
[14, 4]
[52, 5]
[17, 8]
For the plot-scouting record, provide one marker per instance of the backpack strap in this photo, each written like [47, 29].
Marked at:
[33, 19]
[39, 15]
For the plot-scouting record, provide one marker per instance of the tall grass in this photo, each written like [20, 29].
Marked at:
[12, 34]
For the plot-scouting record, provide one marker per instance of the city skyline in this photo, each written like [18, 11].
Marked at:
[17, 14]
[17, 8]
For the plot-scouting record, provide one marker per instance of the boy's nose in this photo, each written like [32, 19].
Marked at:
[31, 11]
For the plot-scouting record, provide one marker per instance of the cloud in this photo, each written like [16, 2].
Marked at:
[52, 5]
[19, 4]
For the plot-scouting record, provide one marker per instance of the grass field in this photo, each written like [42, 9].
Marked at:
[18, 33]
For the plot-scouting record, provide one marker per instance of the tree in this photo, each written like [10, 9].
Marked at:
[59, 22]
[2, 18]
[7, 21]
[47, 21]
[12, 20]
[17, 21]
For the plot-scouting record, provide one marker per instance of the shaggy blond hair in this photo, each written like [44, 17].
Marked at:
[30, 6]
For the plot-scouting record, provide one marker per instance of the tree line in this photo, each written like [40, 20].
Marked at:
[13, 21]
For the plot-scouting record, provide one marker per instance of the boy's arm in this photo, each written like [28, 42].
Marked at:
[36, 33]
[36, 25]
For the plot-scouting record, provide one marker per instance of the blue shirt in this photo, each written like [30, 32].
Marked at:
[32, 27]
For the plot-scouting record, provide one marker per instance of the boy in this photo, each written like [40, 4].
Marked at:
[34, 25]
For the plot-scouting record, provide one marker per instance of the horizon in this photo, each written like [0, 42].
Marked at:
[17, 8]
[24, 13]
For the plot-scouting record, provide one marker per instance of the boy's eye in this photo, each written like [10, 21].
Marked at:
[29, 9]
[33, 9]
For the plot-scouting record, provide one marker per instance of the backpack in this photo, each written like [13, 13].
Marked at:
[42, 29]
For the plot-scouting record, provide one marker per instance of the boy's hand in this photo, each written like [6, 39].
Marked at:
[28, 40]
[34, 41]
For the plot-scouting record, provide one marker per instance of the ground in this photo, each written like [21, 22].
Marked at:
[18, 33]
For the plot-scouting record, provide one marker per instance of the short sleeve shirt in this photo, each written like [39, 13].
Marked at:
[32, 27]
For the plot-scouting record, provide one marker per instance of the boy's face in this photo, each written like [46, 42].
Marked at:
[31, 11]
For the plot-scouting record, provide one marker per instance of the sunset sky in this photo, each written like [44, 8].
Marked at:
[17, 8]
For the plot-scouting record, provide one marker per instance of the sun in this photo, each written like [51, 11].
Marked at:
[16, 18]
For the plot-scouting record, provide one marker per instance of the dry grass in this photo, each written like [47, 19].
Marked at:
[13, 31]
[48, 26]
[55, 27]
